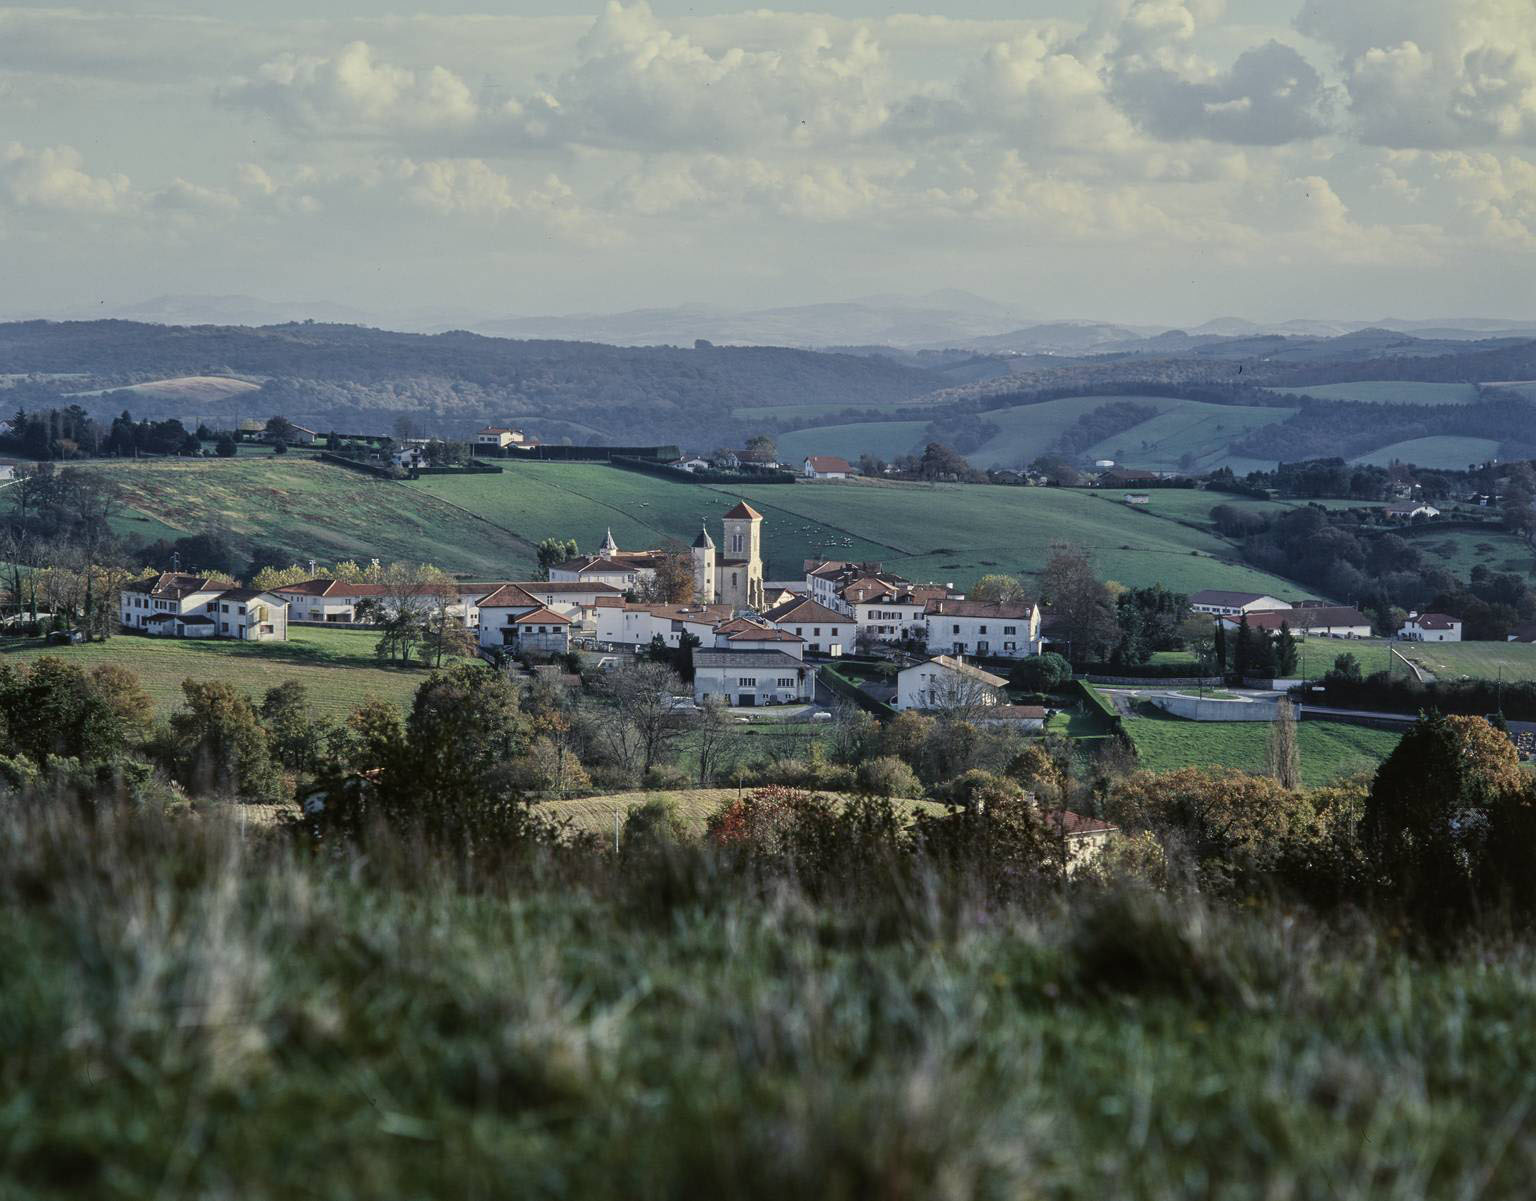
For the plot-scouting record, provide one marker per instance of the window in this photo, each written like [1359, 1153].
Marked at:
[954, 629]
[786, 681]
[1010, 629]
[746, 681]
[816, 633]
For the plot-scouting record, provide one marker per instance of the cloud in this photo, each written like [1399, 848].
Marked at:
[350, 93]
[54, 179]
[1434, 73]
[1271, 96]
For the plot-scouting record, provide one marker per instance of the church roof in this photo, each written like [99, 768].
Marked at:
[702, 542]
[743, 510]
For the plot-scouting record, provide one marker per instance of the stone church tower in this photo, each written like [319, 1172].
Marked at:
[739, 570]
[704, 577]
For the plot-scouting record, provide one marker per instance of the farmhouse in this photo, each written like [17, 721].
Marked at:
[1223, 604]
[826, 467]
[751, 678]
[346, 601]
[511, 617]
[1318, 621]
[174, 605]
[947, 683]
[1408, 510]
[824, 631]
[959, 627]
[1431, 627]
[891, 612]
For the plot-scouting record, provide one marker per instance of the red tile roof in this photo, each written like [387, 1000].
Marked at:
[743, 510]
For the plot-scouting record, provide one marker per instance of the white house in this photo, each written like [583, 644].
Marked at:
[336, 602]
[250, 616]
[1222, 604]
[621, 623]
[167, 594]
[947, 683]
[513, 619]
[575, 599]
[826, 467]
[1431, 627]
[965, 627]
[497, 437]
[750, 634]
[407, 457]
[825, 631]
[751, 678]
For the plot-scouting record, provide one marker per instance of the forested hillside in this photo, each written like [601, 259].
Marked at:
[341, 375]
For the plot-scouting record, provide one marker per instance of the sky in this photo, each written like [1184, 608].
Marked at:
[1156, 161]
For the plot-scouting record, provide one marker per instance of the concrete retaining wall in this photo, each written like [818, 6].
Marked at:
[1196, 709]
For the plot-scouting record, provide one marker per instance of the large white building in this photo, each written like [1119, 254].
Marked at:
[178, 605]
[628, 624]
[1231, 604]
[514, 619]
[965, 627]
[824, 631]
[751, 678]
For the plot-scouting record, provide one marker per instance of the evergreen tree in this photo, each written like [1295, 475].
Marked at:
[1286, 652]
[1284, 750]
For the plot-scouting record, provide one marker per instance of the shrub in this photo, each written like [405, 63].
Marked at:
[977, 787]
[1040, 673]
[666, 776]
[888, 776]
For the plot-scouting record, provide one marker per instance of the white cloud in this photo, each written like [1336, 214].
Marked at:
[1434, 73]
[350, 93]
[54, 179]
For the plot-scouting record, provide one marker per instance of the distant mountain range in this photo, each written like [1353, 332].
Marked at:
[938, 320]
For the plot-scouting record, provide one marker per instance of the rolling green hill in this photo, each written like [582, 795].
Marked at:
[486, 525]
[309, 509]
[1390, 391]
[883, 439]
[1449, 452]
[1181, 427]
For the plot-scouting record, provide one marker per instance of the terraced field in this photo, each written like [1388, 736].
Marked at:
[337, 666]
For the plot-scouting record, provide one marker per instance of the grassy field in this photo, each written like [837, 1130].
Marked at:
[1328, 749]
[1181, 426]
[1445, 452]
[815, 412]
[337, 666]
[1400, 392]
[883, 439]
[1460, 551]
[311, 510]
[953, 532]
[182, 1012]
[693, 806]
[1474, 660]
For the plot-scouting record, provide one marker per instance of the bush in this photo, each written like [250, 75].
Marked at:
[1040, 673]
[888, 776]
[979, 788]
[664, 776]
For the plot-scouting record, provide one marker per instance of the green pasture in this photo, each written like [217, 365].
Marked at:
[337, 666]
[1513, 661]
[884, 439]
[1203, 431]
[1443, 452]
[311, 510]
[1460, 551]
[1328, 749]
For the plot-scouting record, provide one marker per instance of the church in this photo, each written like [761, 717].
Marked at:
[734, 577]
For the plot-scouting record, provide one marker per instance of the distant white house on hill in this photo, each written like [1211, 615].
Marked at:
[1224, 604]
[496, 437]
[827, 467]
[1431, 627]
